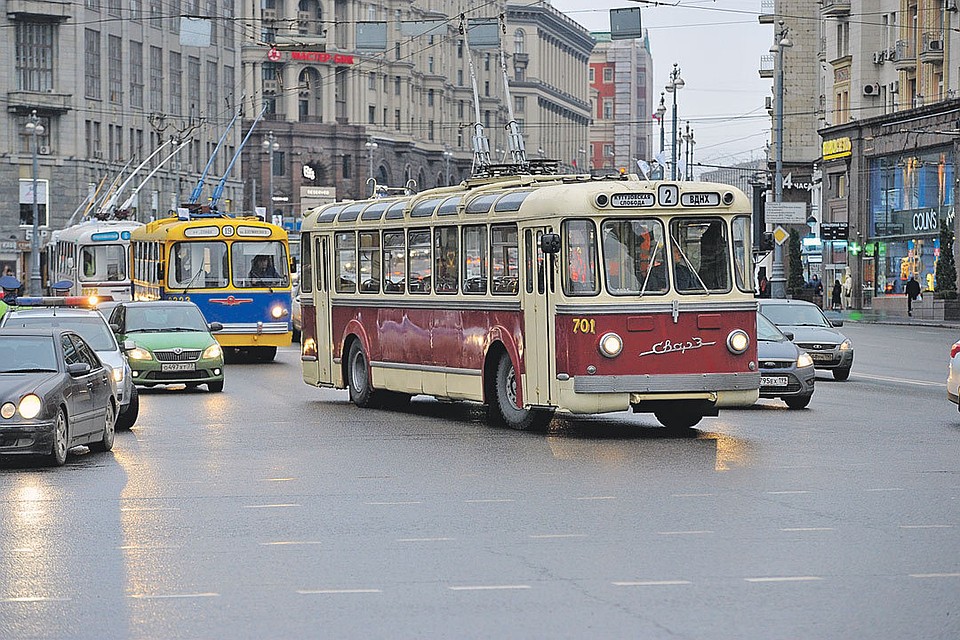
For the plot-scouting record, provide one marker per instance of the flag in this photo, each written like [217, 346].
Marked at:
[644, 168]
[661, 158]
[681, 169]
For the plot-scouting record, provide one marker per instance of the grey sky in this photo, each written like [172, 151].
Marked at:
[718, 46]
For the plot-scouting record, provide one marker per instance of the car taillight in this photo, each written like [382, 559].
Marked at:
[955, 349]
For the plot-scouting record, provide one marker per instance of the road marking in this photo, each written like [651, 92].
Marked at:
[807, 529]
[547, 536]
[138, 509]
[785, 579]
[935, 575]
[173, 596]
[289, 543]
[921, 383]
[597, 498]
[148, 547]
[491, 500]
[393, 503]
[271, 506]
[22, 550]
[877, 490]
[692, 495]
[926, 526]
[424, 539]
[786, 493]
[651, 583]
[311, 592]
[35, 599]
[683, 533]
[278, 479]
[490, 587]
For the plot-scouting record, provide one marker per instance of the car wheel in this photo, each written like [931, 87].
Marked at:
[678, 419]
[798, 402]
[215, 387]
[358, 376]
[61, 433]
[841, 374]
[503, 405]
[109, 432]
[128, 416]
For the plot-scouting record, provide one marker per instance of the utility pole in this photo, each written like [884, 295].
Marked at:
[778, 278]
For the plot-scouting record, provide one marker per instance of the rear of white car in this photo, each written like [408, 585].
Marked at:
[953, 375]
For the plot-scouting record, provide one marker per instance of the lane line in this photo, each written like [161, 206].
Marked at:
[491, 587]
[683, 533]
[392, 503]
[926, 526]
[935, 575]
[271, 506]
[289, 543]
[35, 599]
[311, 592]
[921, 383]
[139, 509]
[277, 479]
[490, 500]
[424, 539]
[547, 536]
[786, 493]
[597, 498]
[786, 579]
[878, 490]
[692, 495]
[173, 596]
[807, 529]
[651, 583]
[148, 547]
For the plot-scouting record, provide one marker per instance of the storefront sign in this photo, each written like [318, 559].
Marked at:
[926, 221]
[790, 183]
[836, 148]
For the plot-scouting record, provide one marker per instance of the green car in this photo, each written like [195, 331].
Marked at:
[169, 342]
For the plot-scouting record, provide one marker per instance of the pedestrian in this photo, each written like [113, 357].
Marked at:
[817, 287]
[835, 296]
[763, 285]
[11, 288]
[913, 293]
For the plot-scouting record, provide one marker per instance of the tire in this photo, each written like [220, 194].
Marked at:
[215, 387]
[109, 432]
[61, 436]
[841, 374]
[128, 417]
[358, 376]
[678, 419]
[503, 403]
[798, 402]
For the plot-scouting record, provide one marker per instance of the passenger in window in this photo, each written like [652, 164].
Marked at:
[262, 272]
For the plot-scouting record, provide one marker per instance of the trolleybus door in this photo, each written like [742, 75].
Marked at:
[324, 312]
[538, 330]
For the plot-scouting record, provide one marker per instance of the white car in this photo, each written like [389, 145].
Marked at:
[953, 375]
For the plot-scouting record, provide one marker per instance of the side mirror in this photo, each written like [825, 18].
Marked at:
[789, 335]
[215, 326]
[837, 322]
[129, 345]
[78, 369]
[550, 243]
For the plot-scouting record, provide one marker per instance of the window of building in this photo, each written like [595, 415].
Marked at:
[176, 84]
[608, 74]
[843, 39]
[113, 7]
[608, 150]
[460, 49]
[156, 79]
[229, 28]
[396, 85]
[213, 101]
[519, 41]
[607, 108]
[486, 62]
[115, 69]
[371, 114]
[519, 74]
[372, 81]
[136, 10]
[396, 119]
[520, 104]
[35, 55]
[486, 87]
[430, 132]
[429, 97]
[136, 74]
[430, 64]
[459, 77]
[592, 74]
[346, 167]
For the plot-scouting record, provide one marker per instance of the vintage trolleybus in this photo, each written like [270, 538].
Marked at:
[237, 270]
[536, 294]
[93, 256]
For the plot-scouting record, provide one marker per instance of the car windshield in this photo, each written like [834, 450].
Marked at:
[153, 317]
[767, 332]
[93, 329]
[25, 354]
[797, 315]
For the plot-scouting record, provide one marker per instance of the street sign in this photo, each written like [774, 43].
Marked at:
[785, 213]
[780, 235]
[834, 230]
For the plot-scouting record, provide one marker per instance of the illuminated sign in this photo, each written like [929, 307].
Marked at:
[253, 232]
[318, 56]
[201, 232]
[836, 148]
[632, 200]
[105, 236]
[709, 199]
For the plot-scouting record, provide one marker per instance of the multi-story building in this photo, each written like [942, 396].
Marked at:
[110, 82]
[404, 115]
[887, 113]
[621, 88]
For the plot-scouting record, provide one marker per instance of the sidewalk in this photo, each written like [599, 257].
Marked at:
[879, 317]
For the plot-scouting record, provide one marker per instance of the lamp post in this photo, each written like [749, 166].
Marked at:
[676, 83]
[661, 112]
[371, 147]
[270, 145]
[582, 153]
[34, 130]
[688, 138]
[446, 160]
[778, 278]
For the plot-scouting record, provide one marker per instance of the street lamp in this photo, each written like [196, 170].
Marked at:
[371, 147]
[34, 130]
[676, 83]
[582, 153]
[661, 111]
[778, 279]
[270, 145]
[446, 159]
[688, 138]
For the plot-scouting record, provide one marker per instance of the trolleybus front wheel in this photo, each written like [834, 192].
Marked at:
[503, 405]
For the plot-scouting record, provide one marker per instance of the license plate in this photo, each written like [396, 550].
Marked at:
[820, 357]
[774, 381]
[178, 366]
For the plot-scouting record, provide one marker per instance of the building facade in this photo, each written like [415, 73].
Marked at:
[110, 82]
[621, 89]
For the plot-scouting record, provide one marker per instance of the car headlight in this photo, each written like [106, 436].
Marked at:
[139, 353]
[846, 345]
[213, 351]
[30, 406]
[804, 360]
[118, 374]
[610, 345]
[738, 341]
[7, 410]
[278, 312]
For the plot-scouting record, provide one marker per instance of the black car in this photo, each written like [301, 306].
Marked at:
[55, 394]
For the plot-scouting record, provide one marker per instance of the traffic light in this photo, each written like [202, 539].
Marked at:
[766, 241]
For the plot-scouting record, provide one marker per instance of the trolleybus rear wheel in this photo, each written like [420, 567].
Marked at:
[503, 405]
[358, 376]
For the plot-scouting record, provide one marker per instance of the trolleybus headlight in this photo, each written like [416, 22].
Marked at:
[804, 360]
[139, 353]
[7, 410]
[610, 345]
[30, 406]
[213, 351]
[278, 312]
[738, 341]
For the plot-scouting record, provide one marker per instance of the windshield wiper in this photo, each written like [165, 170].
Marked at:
[690, 265]
[31, 370]
[646, 278]
[180, 329]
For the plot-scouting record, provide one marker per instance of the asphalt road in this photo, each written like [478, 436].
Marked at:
[274, 510]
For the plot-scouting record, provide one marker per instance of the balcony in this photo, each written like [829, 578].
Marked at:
[766, 65]
[39, 10]
[931, 48]
[42, 101]
[835, 8]
[767, 11]
[904, 56]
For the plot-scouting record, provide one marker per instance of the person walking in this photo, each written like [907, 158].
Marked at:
[835, 295]
[913, 292]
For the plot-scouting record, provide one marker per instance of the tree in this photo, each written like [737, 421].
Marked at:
[795, 282]
[946, 288]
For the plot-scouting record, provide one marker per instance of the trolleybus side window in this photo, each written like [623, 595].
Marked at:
[742, 258]
[345, 250]
[306, 262]
[701, 258]
[370, 262]
[445, 244]
[504, 259]
[394, 261]
[475, 259]
[633, 256]
[104, 262]
[420, 264]
[580, 256]
[323, 266]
